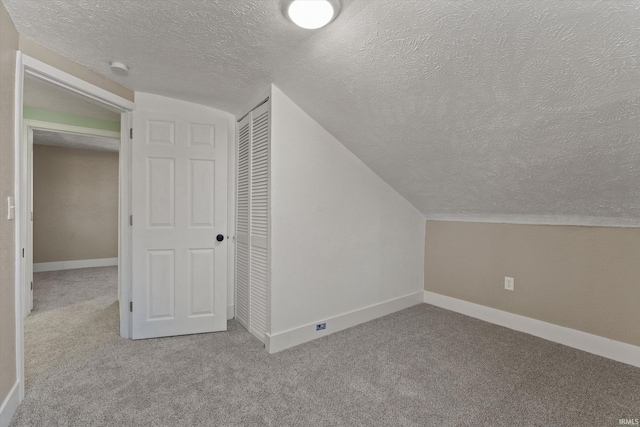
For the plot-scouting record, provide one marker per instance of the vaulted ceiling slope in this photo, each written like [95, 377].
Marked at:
[467, 108]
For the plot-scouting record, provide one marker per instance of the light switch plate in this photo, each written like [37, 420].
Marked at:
[508, 283]
[11, 208]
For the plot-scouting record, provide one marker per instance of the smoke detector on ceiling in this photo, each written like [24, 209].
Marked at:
[311, 14]
[119, 68]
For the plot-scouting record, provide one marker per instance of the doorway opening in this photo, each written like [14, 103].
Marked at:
[71, 251]
[72, 123]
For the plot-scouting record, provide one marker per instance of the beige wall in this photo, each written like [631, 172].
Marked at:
[584, 278]
[75, 204]
[8, 47]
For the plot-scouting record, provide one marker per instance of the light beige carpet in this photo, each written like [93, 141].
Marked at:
[423, 366]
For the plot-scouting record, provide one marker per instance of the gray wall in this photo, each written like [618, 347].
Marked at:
[584, 278]
[75, 204]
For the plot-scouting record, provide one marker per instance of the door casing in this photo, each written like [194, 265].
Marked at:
[28, 128]
[26, 65]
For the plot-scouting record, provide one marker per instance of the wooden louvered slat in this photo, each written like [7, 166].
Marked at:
[260, 176]
[243, 272]
[259, 291]
[242, 280]
[259, 222]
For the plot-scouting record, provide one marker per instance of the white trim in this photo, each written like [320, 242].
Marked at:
[287, 339]
[20, 227]
[124, 228]
[64, 128]
[27, 206]
[585, 221]
[70, 265]
[42, 71]
[10, 405]
[27, 135]
[231, 217]
[605, 347]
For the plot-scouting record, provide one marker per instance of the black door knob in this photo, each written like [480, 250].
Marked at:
[219, 237]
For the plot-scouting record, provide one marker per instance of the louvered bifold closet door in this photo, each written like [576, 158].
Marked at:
[242, 222]
[259, 222]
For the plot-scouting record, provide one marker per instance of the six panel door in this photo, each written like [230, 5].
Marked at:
[179, 209]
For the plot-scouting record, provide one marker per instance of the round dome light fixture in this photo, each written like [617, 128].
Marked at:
[311, 14]
[119, 68]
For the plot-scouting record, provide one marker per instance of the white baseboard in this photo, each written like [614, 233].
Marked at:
[605, 347]
[287, 339]
[69, 265]
[231, 310]
[10, 405]
[585, 221]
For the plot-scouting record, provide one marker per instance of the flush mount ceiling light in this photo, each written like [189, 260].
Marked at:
[119, 68]
[311, 14]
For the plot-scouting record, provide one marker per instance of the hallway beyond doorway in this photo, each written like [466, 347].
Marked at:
[74, 311]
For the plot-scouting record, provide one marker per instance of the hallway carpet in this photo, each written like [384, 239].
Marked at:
[73, 312]
[423, 366]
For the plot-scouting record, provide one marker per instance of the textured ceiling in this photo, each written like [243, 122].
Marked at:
[467, 108]
[72, 140]
[39, 94]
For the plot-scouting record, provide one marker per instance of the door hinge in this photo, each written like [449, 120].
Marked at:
[31, 285]
[22, 252]
[130, 133]
[131, 306]
[130, 219]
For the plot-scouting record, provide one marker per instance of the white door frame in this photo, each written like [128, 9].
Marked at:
[35, 68]
[27, 134]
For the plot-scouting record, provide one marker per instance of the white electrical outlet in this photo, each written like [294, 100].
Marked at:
[508, 283]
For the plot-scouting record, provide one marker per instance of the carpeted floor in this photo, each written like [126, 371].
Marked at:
[423, 366]
[72, 309]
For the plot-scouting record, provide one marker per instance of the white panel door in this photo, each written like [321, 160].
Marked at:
[179, 208]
